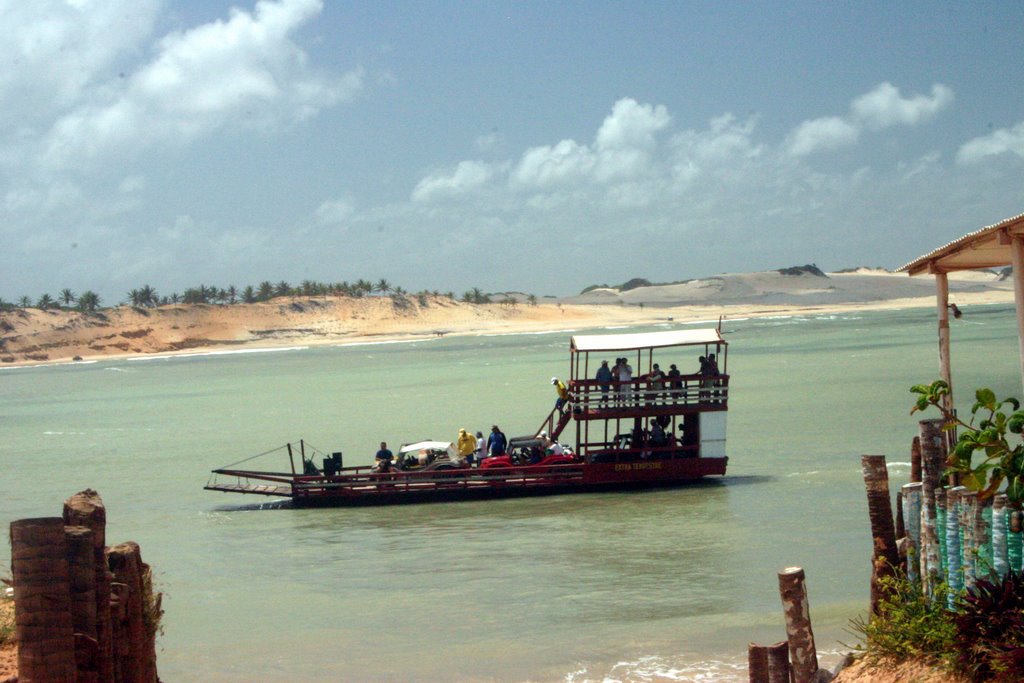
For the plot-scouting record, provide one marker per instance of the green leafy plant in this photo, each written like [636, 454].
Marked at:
[996, 421]
[909, 625]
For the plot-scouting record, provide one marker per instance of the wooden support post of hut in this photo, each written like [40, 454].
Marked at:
[778, 663]
[885, 557]
[42, 601]
[800, 636]
[86, 508]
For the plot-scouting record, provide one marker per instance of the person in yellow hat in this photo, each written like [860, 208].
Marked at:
[466, 444]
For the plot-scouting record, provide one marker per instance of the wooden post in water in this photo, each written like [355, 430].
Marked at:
[86, 508]
[885, 557]
[82, 583]
[933, 459]
[802, 654]
[915, 460]
[42, 601]
[778, 663]
[757, 663]
[901, 528]
[126, 564]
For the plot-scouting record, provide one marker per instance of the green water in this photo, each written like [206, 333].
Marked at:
[662, 585]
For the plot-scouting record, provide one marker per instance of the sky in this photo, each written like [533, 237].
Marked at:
[529, 146]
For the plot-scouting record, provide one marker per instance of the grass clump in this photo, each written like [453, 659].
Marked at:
[910, 625]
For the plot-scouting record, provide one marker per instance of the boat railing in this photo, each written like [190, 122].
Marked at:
[398, 481]
[682, 391]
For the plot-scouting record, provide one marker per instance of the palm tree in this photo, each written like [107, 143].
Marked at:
[148, 296]
[382, 286]
[67, 297]
[265, 291]
[249, 294]
[232, 294]
[44, 302]
[89, 301]
[282, 289]
[532, 299]
[24, 301]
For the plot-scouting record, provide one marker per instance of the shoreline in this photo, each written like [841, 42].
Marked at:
[271, 327]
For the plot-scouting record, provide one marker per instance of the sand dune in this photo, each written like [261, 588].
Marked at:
[29, 336]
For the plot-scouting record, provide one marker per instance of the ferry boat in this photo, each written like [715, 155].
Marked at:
[654, 429]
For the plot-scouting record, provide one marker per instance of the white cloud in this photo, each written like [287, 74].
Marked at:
[54, 51]
[334, 211]
[885, 106]
[1003, 140]
[621, 150]
[246, 69]
[468, 175]
[826, 133]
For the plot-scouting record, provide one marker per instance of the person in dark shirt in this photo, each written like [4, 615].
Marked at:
[383, 458]
[675, 385]
[496, 442]
[604, 380]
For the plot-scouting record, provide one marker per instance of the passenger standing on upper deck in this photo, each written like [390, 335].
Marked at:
[625, 380]
[563, 394]
[496, 442]
[467, 446]
[656, 383]
[674, 383]
[705, 382]
[713, 373]
[604, 380]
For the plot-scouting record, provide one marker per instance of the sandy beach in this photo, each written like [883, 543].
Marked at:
[31, 336]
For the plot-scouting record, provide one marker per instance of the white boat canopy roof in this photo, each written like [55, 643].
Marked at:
[646, 340]
[427, 446]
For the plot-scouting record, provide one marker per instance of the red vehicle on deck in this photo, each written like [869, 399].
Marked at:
[652, 430]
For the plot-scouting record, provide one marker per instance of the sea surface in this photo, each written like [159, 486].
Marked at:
[666, 585]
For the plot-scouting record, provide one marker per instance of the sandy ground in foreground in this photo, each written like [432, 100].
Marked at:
[31, 336]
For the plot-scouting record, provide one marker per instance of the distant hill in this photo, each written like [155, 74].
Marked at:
[805, 285]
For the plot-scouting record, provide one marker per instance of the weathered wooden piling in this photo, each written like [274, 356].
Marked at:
[915, 460]
[933, 457]
[800, 637]
[42, 601]
[757, 663]
[86, 508]
[82, 584]
[954, 545]
[968, 540]
[999, 555]
[125, 563]
[778, 663]
[885, 556]
[912, 516]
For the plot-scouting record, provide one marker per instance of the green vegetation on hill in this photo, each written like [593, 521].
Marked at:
[809, 269]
